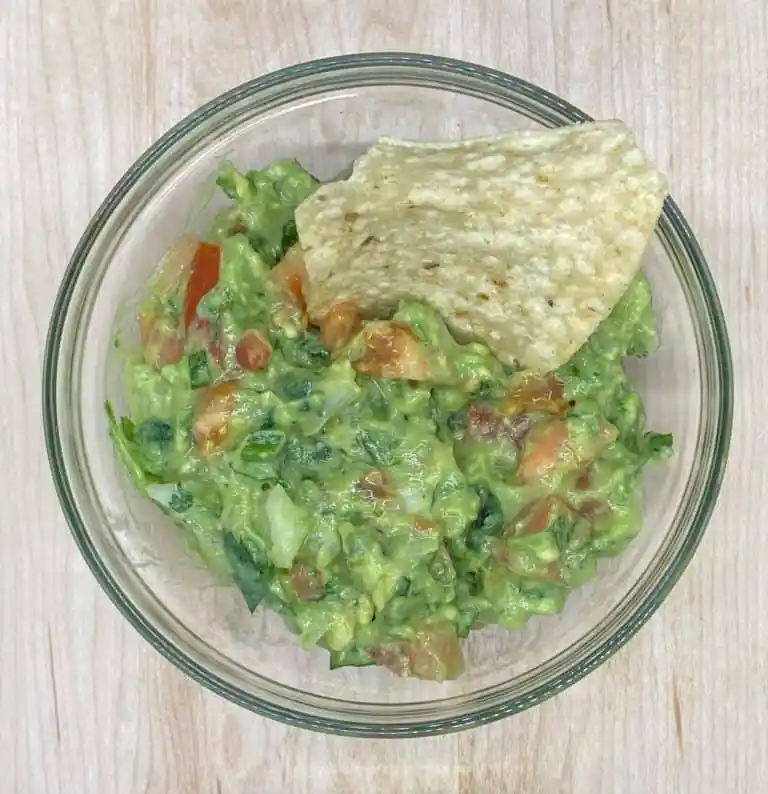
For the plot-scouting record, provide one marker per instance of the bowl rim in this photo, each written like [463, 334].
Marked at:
[396, 67]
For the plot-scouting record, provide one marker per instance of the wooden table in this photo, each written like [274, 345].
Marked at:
[86, 707]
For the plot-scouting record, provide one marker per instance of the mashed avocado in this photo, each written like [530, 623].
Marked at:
[380, 485]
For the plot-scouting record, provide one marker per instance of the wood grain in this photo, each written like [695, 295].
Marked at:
[86, 706]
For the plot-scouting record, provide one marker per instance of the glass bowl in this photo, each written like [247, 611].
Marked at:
[325, 113]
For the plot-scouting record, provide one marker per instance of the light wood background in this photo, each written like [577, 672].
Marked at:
[86, 707]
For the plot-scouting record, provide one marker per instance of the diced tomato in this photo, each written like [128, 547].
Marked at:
[485, 424]
[169, 349]
[550, 573]
[435, 654]
[290, 274]
[551, 446]
[541, 454]
[199, 332]
[523, 563]
[214, 352]
[376, 486]
[160, 339]
[593, 510]
[535, 518]
[339, 325]
[211, 428]
[146, 327]
[583, 481]
[538, 516]
[200, 335]
[536, 394]
[499, 550]
[424, 525]
[168, 275]
[392, 351]
[203, 277]
[307, 582]
[253, 351]
[295, 287]
[394, 658]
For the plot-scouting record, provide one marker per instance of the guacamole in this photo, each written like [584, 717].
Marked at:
[381, 485]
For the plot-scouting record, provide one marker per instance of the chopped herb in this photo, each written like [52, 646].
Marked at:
[128, 428]
[181, 500]
[251, 575]
[560, 529]
[121, 434]
[199, 374]
[152, 431]
[351, 656]
[489, 521]
[261, 445]
[457, 422]
[152, 439]
[271, 252]
[306, 351]
[658, 446]
[292, 388]
[378, 447]
[290, 235]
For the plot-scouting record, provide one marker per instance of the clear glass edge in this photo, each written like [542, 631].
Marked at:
[430, 69]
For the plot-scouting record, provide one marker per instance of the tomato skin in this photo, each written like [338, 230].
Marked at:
[203, 277]
[253, 351]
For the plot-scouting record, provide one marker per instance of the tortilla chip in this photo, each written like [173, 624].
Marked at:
[525, 241]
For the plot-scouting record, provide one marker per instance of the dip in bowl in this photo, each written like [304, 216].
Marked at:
[325, 114]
